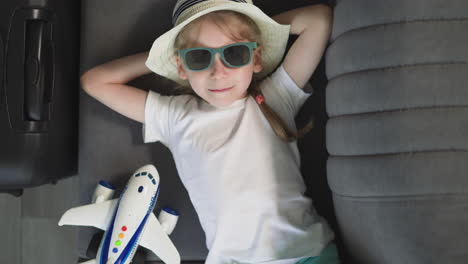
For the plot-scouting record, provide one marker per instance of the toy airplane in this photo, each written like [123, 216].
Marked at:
[128, 221]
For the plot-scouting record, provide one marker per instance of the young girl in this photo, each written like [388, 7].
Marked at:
[232, 134]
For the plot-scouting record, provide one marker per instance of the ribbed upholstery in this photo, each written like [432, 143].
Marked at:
[397, 99]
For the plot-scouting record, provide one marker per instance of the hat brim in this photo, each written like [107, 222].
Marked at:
[274, 38]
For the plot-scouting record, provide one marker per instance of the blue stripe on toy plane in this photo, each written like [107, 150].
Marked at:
[105, 246]
[132, 244]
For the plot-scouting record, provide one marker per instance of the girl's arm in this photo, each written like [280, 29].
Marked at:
[107, 84]
[313, 25]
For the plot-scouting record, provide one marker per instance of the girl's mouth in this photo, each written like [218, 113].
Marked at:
[221, 90]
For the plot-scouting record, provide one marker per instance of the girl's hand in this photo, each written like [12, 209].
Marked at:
[313, 25]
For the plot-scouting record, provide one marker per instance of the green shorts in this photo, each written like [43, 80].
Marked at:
[328, 256]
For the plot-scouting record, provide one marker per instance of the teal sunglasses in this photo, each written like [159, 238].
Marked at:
[234, 55]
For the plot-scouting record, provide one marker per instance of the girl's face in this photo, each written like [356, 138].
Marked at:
[232, 81]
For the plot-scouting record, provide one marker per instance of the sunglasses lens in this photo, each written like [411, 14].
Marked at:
[237, 55]
[197, 59]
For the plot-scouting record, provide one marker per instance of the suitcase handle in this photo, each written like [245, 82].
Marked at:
[30, 69]
[37, 86]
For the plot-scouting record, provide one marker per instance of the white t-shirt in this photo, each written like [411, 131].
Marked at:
[243, 180]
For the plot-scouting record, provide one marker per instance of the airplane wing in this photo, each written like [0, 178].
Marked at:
[155, 239]
[98, 215]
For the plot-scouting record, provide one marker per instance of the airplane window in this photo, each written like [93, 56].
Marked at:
[140, 189]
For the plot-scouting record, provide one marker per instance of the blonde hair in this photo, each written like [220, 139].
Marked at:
[245, 28]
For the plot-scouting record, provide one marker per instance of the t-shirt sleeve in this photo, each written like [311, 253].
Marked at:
[282, 93]
[156, 126]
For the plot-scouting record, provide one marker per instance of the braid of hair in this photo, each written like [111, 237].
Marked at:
[277, 124]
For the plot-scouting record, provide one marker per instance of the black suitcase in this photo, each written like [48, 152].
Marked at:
[39, 83]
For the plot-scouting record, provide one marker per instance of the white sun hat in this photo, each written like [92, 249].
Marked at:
[274, 36]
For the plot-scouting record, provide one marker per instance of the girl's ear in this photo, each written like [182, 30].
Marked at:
[180, 68]
[257, 60]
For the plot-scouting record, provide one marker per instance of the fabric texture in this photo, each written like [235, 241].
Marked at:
[243, 180]
[397, 133]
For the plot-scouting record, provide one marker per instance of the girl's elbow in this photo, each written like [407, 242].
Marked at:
[316, 17]
[326, 9]
[84, 82]
[328, 14]
[324, 17]
[88, 81]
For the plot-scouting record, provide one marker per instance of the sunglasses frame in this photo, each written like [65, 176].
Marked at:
[220, 50]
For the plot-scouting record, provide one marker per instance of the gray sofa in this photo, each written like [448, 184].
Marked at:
[397, 99]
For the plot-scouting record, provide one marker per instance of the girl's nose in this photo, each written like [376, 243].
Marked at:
[218, 69]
